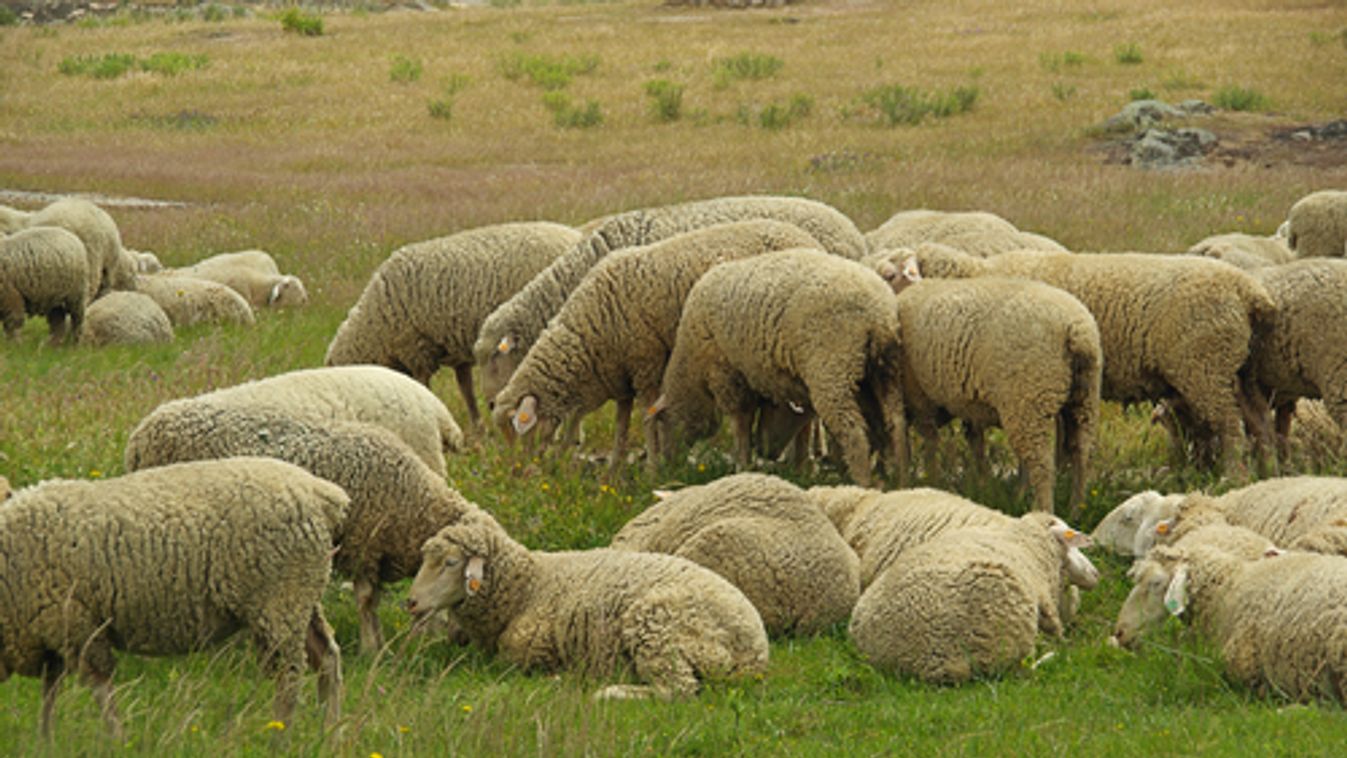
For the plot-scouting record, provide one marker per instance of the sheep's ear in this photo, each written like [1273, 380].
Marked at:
[1176, 596]
[911, 270]
[526, 415]
[1070, 537]
[660, 405]
[472, 575]
[275, 292]
[1164, 527]
[661, 494]
[1272, 552]
[505, 345]
[887, 271]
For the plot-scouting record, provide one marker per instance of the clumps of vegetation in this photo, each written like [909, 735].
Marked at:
[1128, 54]
[296, 21]
[443, 107]
[1180, 80]
[778, 114]
[567, 115]
[172, 64]
[7, 16]
[114, 65]
[894, 104]
[404, 70]
[1141, 93]
[744, 66]
[1055, 62]
[1235, 98]
[666, 99]
[215, 12]
[546, 71]
[185, 120]
[1063, 91]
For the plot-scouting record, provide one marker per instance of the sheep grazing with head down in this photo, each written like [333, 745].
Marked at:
[254, 275]
[667, 620]
[109, 266]
[125, 318]
[1317, 225]
[187, 300]
[43, 272]
[1245, 251]
[977, 233]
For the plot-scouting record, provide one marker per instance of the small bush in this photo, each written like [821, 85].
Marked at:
[1055, 62]
[566, 115]
[456, 83]
[7, 16]
[214, 13]
[404, 70]
[545, 71]
[107, 66]
[1181, 81]
[1141, 93]
[441, 109]
[896, 104]
[1128, 54]
[1234, 98]
[1063, 91]
[751, 66]
[666, 99]
[296, 21]
[172, 64]
[779, 115]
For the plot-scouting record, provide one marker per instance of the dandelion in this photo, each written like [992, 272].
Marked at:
[544, 486]
[195, 729]
[376, 755]
[467, 708]
[274, 726]
[95, 473]
[701, 467]
[403, 729]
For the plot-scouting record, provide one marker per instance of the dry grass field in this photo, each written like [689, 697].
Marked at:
[330, 151]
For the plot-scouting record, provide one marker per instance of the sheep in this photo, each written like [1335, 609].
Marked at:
[125, 318]
[793, 327]
[764, 535]
[254, 275]
[510, 331]
[669, 620]
[1168, 325]
[1317, 225]
[5, 489]
[187, 300]
[977, 233]
[1245, 251]
[612, 337]
[43, 271]
[1278, 619]
[992, 351]
[145, 262]
[109, 266]
[164, 562]
[397, 502]
[423, 306]
[370, 394]
[1118, 531]
[970, 601]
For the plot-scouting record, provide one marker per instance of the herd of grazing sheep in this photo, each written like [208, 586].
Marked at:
[814, 340]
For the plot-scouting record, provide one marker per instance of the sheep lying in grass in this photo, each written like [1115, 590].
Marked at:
[668, 620]
[1245, 251]
[397, 502]
[1317, 225]
[766, 537]
[109, 267]
[425, 304]
[793, 327]
[43, 272]
[254, 275]
[168, 561]
[187, 300]
[125, 318]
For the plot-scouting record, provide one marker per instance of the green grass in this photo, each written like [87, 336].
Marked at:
[745, 66]
[897, 104]
[1128, 54]
[1235, 98]
[296, 21]
[547, 72]
[404, 70]
[666, 99]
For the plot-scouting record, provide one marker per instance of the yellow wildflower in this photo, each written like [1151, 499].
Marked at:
[95, 473]
[403, 729]
[467, 708]
[274, 726]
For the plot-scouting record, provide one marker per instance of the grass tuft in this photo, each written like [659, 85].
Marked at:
[296, 21]
[666, 99]
[1235, 98]
[545, 71]
[567, 115]
[896, 104]
[1128, 54]
[404, 70]
[744, 67]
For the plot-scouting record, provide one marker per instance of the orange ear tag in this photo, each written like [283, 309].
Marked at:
[474, 584]
[1162, 528]
[523, 417]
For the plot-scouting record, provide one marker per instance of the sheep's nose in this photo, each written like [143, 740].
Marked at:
[410, 605]
[491, 405]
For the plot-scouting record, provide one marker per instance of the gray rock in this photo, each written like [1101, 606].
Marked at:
[1162, 148]
[1196, 107]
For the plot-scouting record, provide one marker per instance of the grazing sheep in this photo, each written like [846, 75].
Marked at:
[200, 550]
[397, 502]
[125, 318]
[1245, 250]
[793, 327]
[145, 262]
[187, 300]
[371, 394]
[612, 338]
[764, 535]
[43, 272]
[1317, 225]
[974, 232]
[254, 275]
[109, 267]
[510, 331]
[668, 620]
[1278, 619]
[1316, 436]
[970, 601]
[423, 306]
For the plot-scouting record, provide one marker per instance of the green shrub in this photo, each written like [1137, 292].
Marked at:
[1141, 93]
[545, 71]
[214, 13]
[896, 104]
[172, 64]
[778, 115]
[1063, 91]
[107, 66]
[1235, 98]
[567, 115]
[441, 109]
[304, 24]
[7, 16]
[404, 70]
[666, 99]
[1055, 62]
[1128, 54]
[751, 66]
[456, 83]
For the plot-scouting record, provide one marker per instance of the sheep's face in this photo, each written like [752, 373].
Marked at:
[289, 291]
[1159, 589]
[498, 368]
[447, 577]
[527, 419]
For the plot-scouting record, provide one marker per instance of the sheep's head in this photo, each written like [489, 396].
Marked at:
[287, 291]
[673, 423]
[498, 366]
[453, 566]
[526, 418]
[1160, 520]
[1160, 589]
[899, 269]
[1120, 531]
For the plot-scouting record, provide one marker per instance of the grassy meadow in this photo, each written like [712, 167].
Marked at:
[332, 150]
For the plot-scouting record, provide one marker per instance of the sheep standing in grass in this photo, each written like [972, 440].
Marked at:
[767, 538]
[793, 327]
[423, 307]
[43, 272]
[670, 621]
[1317, 225]
[370, 394]
[167, 561]
[970, 601]
[109, 266]
[1245, 251]
[510, 331]
[612, 338]
[974, 232]
[397, 502]
[187, 300]
[254, 275]
[125, 318]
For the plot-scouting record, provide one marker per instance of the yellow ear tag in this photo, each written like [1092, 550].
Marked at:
[1070, 534]
[474, 584]
[503, 346]
[652, 410]
[523, 417]
[1162, 528]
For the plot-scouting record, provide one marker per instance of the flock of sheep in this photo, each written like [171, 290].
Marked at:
[813, 339]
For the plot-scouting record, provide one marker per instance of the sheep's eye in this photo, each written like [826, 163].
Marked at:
[450, 562]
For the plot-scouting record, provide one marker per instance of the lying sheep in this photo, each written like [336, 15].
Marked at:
[187, 300]
[673, 622]
[612, 338]
[397, 502]
[200, 551]
[1168, 325]
[145, 262]
[1118, 531]
[510, 331]
[125, 318]
[977, 233]
[1278, 619]
[254, 275]
[108, 267]
[43, 272]
[423, 306]
[764, 535]
[970, 601]
[1300, 512]
[1245, 251]
[1317, 225]
[370, 394]
[793, 327]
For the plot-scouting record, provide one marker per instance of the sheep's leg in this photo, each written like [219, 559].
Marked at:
[976, 437]
[742, 423]
[56, 326]
[930, 438]
[324, 656]
[798, 448]
[621, 427]
[1031, 437]
[890, 399]
[1285, 412]
[1073, 435]
[101, 685]
[1255, 410]
[52, 674]
[842, 417]
[463, 373]
[1214, 400]
[367, 594]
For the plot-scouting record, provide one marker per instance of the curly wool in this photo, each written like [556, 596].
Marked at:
[187, 300]
[767, 538]
[977, 233]
[254, 275]
[125, 318]
[108, 267]
[1245, 251]
[43, 272]
[1317, 225]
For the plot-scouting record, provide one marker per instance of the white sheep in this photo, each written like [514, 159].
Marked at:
[43, 272]
[764, 535]
[1301, 512]
[200, 550]
[187, 300]
[1138, 514]
[793, 327]
[1246, 251]
[974, 232]
[254, 275]
[970, 601]
[671, 621]
[145, 262]
[371, 394]
[109, 266]
[425, 304]
[1317, 225]
[612, 338]
[510, 331]
[125, 318]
